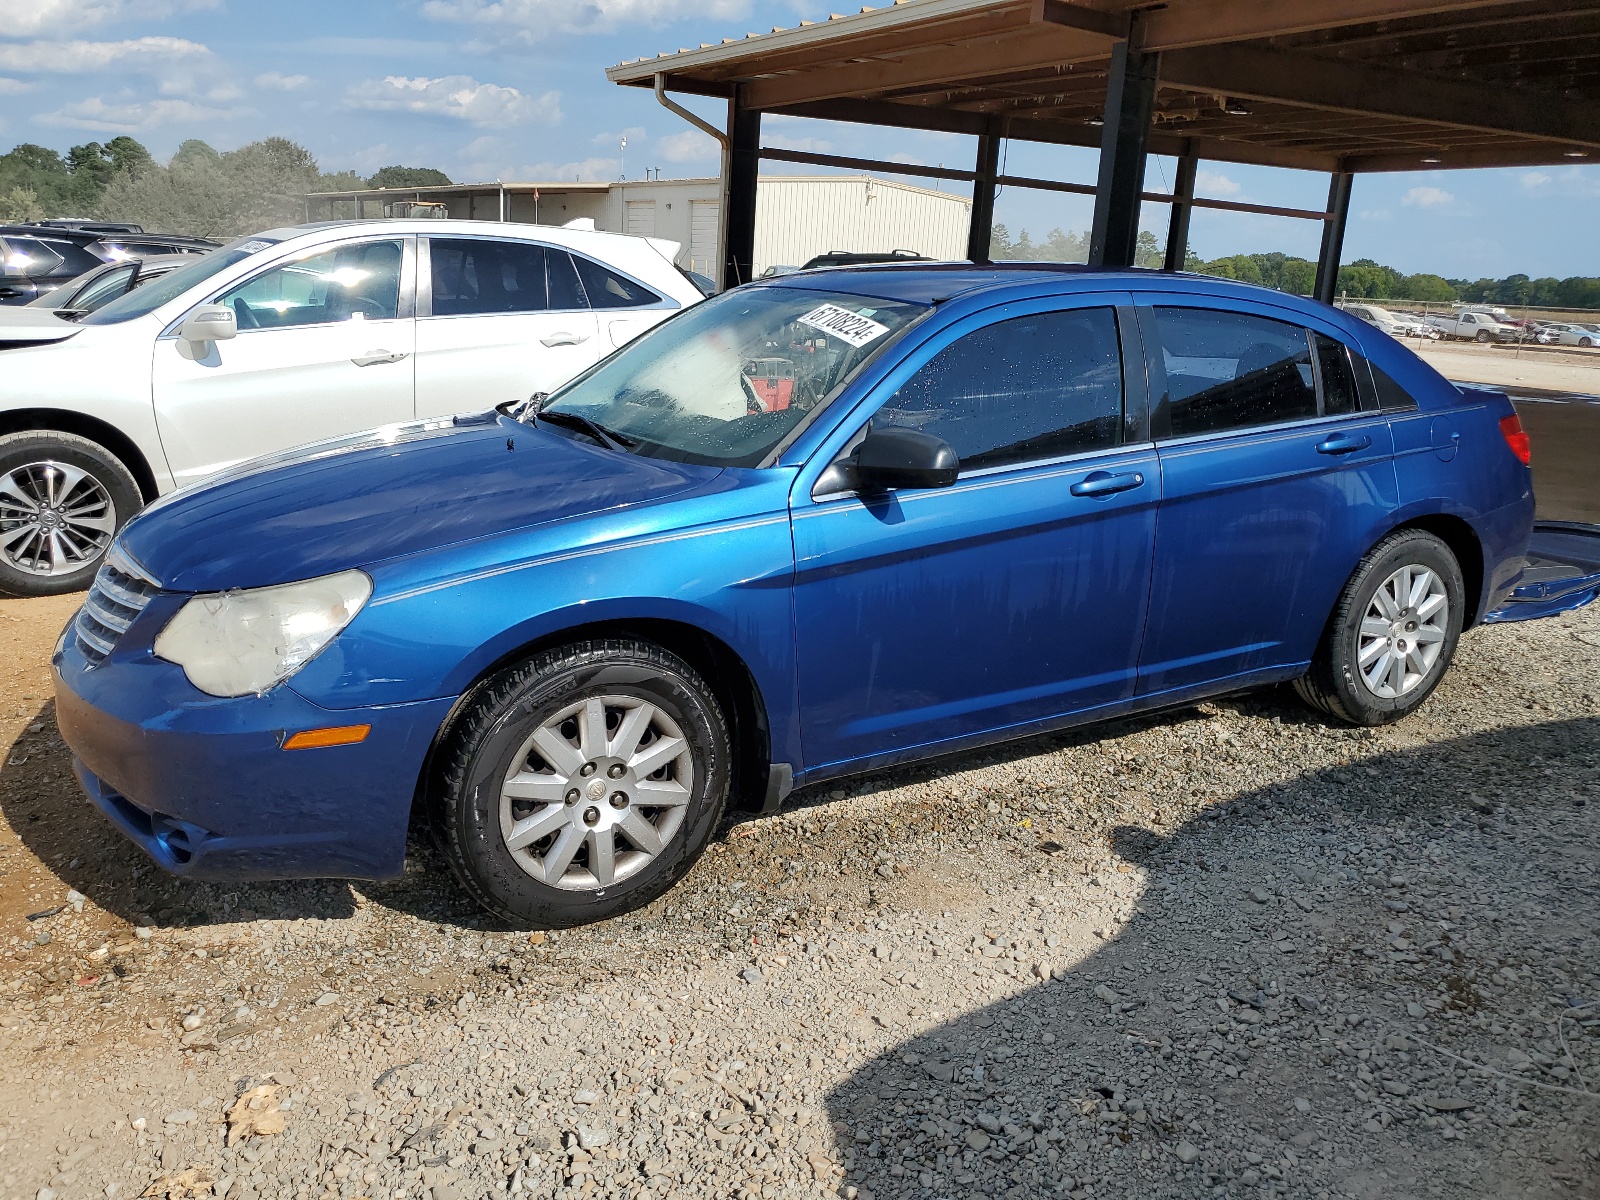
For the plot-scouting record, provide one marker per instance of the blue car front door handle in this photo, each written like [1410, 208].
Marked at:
[1105, 483]
[1343, 443]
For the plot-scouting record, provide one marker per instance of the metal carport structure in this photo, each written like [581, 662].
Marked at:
[1341, 86]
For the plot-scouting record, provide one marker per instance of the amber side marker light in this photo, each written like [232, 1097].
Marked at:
[335, 735]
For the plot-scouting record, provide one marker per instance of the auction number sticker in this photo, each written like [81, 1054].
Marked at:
[843, 324]
[252, 247]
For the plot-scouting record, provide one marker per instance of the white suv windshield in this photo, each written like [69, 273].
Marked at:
[727, 380]
[169, 287]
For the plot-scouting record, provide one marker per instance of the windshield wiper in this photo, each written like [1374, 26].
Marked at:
[609, 438]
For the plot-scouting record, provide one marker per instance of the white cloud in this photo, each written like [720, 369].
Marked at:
[634, 133]
[10, 87]
[70, 58]
[814, 145]
[688, 146]
[531, 19]
[1426, 197]
[21, 18]
[281, 83]
[1215, 184]
[588, 170]
[136, 117]
[1535, 179]
[1376, 214]
[459, 97]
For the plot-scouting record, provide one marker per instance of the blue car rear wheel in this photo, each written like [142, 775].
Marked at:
[1393, 633]
[583, 783]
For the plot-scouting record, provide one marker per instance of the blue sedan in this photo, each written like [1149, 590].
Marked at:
[811, 527]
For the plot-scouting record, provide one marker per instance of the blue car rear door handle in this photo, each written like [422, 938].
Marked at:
[1104, 483]
[1343, 443]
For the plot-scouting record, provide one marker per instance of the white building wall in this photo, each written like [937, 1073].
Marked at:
[799, 217]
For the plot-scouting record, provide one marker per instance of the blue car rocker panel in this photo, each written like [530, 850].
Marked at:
[806, 528]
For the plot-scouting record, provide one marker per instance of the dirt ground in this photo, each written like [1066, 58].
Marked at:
[1223, 951]
[1554, 369]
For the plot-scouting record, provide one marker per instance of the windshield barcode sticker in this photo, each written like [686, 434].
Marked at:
[843, 324]
[252, 247]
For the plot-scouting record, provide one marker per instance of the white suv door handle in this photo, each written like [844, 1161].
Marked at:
[372, 357]
[564, 339]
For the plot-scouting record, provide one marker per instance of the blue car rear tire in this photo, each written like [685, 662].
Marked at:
[537, 803]
[1392, 634]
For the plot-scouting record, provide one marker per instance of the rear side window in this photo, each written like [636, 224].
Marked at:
[1339, 394]
[1391, 395]
[478, 275]
[1029, 388]
[607, 289]
[1230, 370]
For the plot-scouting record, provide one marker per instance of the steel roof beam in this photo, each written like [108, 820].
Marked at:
[1378, 91]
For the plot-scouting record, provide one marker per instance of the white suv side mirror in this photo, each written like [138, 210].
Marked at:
[208, 323]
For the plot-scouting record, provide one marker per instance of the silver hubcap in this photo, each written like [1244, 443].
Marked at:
[598, 791]
[1403, 632]
[55, 518]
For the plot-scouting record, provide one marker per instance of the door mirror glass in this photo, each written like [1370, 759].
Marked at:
[208, 323]
[904, 458]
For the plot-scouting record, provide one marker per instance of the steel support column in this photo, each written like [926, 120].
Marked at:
[980, 227]
[1327, 284]
[1178, 225]
[739, 200]
[1130, 97]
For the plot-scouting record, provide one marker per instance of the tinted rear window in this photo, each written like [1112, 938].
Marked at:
[1229, 370]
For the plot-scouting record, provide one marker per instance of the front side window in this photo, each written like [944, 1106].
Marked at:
[606, 289]
[476, 275]
[352, 283]
[1030, 388]
[1229, 370]
[724, 382]
[105, 289]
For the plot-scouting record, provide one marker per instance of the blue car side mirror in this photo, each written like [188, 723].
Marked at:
[904, 458]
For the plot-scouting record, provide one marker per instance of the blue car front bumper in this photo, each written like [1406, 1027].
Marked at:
[203, 786]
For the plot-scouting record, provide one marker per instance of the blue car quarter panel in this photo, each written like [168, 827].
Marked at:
[202, 785]
[1015, 596]
[1452, 459]
[1260, 524]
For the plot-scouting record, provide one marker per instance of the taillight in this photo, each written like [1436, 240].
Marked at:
[1517, 438]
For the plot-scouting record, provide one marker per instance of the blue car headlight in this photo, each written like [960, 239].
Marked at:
[236, 643]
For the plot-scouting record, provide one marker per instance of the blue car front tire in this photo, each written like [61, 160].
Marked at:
[582, 783]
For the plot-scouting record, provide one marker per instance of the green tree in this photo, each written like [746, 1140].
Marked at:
[1426, 288]
[1147, 251]
[208, 194]
[20, 205]
[396, 177]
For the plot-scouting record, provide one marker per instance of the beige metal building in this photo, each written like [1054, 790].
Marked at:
[798, 216]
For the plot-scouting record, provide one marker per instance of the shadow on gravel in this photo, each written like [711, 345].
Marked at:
[1156, 1064]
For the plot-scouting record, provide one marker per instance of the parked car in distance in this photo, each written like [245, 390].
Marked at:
[96, 288]
[1391, 323]
[1474, 326]
[858, 258]
[1557, 333]
[36, 259]
[87, 225]
[577, 630]
[287, 337]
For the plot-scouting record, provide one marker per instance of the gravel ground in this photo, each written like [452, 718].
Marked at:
[1223, 951]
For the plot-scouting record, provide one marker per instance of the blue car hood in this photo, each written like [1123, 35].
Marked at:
[359, 500]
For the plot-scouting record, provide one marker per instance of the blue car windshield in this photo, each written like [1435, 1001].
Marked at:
[727, 380]
[169, 287]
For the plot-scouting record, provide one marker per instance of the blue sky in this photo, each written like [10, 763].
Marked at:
[515, 89]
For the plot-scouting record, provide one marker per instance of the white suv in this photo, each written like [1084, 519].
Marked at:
[289, 337]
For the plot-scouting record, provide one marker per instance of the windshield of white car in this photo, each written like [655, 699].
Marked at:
[169, 287]
[724, 382]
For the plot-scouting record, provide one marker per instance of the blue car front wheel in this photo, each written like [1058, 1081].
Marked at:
[583, 782]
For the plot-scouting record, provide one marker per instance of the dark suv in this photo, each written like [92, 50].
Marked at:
[36, 259]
